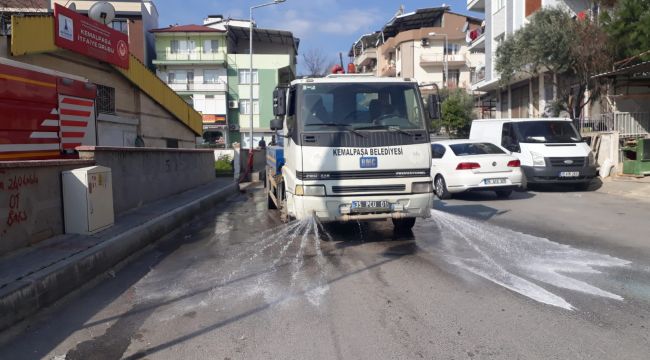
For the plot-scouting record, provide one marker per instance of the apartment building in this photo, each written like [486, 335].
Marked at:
[427, 44]
[524, 97]
[191, 60]
[274, 63]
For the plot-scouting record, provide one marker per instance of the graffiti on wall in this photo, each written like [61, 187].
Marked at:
[12, 185]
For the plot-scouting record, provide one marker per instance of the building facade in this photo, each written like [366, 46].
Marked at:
[525, 96]
[427, 45]
[274, 63]
[191, 60]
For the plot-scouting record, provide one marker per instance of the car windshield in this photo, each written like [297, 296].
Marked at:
[475, 149]
[359, 106]
[547, 132]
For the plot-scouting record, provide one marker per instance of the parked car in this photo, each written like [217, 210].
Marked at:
[469, 165]
[551, 150]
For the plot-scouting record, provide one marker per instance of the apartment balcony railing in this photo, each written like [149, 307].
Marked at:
[187, 57]
[477, 76]
[439, 59]
[628, 124]
[185, 86]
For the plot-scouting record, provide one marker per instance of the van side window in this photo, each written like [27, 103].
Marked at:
[437, 151]
[508, 138]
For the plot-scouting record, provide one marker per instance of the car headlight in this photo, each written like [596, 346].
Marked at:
[310, 190]
[591, 159]
[538, 159]
[422, 187]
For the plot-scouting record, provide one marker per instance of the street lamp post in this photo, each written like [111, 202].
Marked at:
[444, 58]
[250, 74]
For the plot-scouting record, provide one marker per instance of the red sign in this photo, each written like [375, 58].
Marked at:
[214, 119]
[78, 33]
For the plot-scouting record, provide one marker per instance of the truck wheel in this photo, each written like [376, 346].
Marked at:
[441, 188]
[503, 194]
[402, 225]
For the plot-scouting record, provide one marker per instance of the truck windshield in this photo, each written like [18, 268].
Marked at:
[359, 106]
[547, 132]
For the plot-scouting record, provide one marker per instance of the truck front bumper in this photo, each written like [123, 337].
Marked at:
[330, 208]
[551, 174]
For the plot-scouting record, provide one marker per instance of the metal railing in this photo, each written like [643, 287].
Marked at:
[186, 86]
[628, 124]
[190, 56]
[477, 76]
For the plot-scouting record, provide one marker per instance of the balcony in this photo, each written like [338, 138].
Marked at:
[388, 71]
[366, 58]
[477, 76]
[181, 87]
[454, 60]
[476, 5]
[188, 57]
[477, 39]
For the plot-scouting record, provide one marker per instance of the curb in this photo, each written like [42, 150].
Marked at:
[43, 288]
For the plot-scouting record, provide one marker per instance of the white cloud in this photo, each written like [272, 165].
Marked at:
[351, 21]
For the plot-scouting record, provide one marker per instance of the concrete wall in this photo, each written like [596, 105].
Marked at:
[143, 175]
[31, 208]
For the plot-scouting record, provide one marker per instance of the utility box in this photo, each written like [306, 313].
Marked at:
[637, 157]
[88, 200]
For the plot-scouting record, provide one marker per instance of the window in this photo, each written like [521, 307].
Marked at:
[245, 77]
[452, 49]
[454, 78]
[210, 46]
[105, 102]
[181, 46]
[475, 149]
[245, 107]
[174, 46]
[508, 138]
[172, 143]
[210, 77]
[498, 5]
[437, 151]
[121, 25]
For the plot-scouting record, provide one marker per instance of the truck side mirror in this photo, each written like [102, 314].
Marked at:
[433, 105]
[279, 102]
[277, 124]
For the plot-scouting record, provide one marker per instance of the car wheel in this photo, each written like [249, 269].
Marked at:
[402, 225]
[441, 188]
[503, 194]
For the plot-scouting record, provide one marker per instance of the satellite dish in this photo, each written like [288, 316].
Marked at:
[72, 6]
[102, 11]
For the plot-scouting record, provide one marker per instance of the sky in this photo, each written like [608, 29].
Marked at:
[329, 25]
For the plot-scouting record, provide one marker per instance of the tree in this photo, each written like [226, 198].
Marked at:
[456, 111]
[316, 63]
[628, 25]
[555, 42]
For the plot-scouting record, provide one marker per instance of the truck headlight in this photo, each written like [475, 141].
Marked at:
[310, 190]
[422, 187]
[538, 159]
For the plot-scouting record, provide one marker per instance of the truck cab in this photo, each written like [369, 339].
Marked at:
[353, 148]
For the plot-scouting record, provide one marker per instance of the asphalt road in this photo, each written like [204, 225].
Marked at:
[544, 275]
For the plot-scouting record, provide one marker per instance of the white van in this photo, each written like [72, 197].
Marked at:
[550, 149]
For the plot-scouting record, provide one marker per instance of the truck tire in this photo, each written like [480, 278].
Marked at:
[403, 225]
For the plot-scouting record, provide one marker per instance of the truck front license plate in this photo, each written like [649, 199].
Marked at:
[569, 173]
[371, 205]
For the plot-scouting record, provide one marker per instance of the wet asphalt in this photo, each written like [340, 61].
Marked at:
[548, 274]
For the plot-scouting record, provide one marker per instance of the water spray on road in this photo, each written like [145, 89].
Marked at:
[516, 260]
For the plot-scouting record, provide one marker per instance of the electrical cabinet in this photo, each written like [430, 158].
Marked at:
[88, 200]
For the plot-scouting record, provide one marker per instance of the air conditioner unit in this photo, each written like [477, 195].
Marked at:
[233, 104]
[233, 127]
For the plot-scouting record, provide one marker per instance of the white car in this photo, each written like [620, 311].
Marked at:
[471, 165]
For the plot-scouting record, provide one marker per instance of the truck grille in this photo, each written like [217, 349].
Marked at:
[368, 188]
[567, 161]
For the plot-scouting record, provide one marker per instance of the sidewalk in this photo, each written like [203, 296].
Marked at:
[627, 186]
[36, 277]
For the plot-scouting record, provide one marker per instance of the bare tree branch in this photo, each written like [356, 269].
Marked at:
[316, 62]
